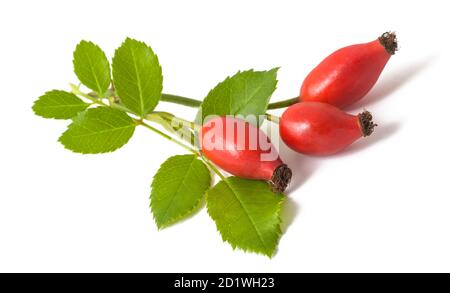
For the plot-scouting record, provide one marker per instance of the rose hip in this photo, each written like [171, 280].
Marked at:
[348, 74]
[243, 150]
[322, 129]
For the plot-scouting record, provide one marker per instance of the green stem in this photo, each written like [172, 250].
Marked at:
[213, 168]
[185, 134]
[168, 137]
[182, 132]
[96, 100]
[195, 152]
[165, 97]
[196, 103]
[283, 104]
[175, 99]
[162, 118]
[273, 118]
[181, 100]
[172, 118]
[76, 91]
[120, 107]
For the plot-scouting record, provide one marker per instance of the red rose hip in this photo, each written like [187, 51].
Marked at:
[243, 150]
[349, 73]
[322, 129]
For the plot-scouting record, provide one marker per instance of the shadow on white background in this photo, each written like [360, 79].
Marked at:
[303, 167]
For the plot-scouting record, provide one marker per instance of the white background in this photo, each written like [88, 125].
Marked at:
[381, 206]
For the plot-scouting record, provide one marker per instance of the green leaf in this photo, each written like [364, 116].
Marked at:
[59, 105]
[92, 67]
[98, 130]
[177, 188]
[247, 214]
[137, 76]
[245, 93]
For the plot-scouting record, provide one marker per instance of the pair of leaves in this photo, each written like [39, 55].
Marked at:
[246, 212]
[92, 131]
[138, 82]
[96, 130]
[136, 71]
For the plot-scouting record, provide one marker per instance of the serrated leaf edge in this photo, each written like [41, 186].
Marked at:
[159, 66]
[90, 153]
[277, 227]
[181, 216]
[48, 117]
[252, 70]
[95, 76]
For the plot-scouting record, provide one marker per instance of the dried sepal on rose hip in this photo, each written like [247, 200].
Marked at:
[347, 75]
[322, 129]
[243, 150]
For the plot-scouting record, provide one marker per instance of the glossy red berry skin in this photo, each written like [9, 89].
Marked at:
[240, 152]
[349, 73]
[321, 129]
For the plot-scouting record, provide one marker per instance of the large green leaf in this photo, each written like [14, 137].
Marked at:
[247, 214]
[137, 76]
[92, 67]
[245, 93]
[177, 188]
[98, 130]
[59, 105]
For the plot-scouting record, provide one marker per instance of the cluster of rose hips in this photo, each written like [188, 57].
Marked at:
[315, 124]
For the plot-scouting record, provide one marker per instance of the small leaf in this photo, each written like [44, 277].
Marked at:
[247, 214]
[59, 105]
[92, 67]
[137, 76]
[98, 130]
[177, 188]
[245, 93]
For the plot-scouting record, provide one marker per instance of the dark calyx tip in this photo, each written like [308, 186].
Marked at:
[389, 42]
[281, 178]
[366, 123]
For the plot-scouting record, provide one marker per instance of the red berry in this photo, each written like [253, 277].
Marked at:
[243, 150]
[322, 129]
[348, 74]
